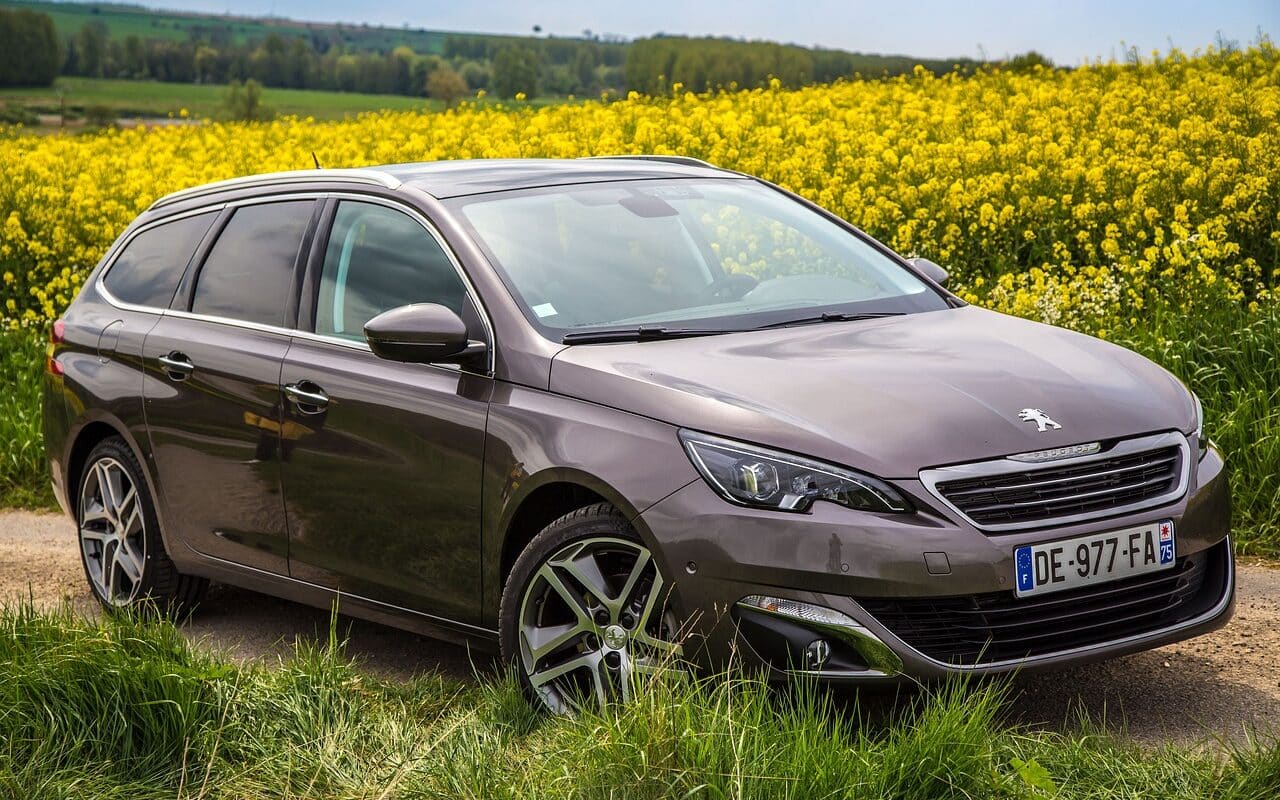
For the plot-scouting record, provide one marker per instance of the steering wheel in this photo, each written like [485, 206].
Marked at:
[729, 286]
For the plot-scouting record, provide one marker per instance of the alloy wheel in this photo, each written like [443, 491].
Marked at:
[112, 532]
[592, 621]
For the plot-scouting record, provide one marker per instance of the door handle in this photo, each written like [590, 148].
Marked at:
[177, 366]
[311, 400]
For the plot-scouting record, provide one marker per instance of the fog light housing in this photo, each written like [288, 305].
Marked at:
[817, 654]
[794, 635]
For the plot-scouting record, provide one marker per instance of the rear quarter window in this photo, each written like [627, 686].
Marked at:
[148, 269]
[248, 274]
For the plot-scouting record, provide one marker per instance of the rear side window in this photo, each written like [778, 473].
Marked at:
[248, 274]
[148, 269]
[379, 259]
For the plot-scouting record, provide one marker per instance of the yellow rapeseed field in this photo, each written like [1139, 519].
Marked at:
[1078, 197]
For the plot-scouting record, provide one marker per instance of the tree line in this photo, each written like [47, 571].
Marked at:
[31, 53]
[655, 65]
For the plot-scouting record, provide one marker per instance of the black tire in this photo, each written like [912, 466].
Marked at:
[159, 584]
[589, 524]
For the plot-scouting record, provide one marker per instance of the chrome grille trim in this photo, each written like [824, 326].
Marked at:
[932, 479]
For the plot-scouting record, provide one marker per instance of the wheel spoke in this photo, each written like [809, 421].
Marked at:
[548, 574]
[587, 573]
[128, 561]
[128, 506]
[109, 570]
[127, 524]
[91, 535]
[642, 635]
[642, 561]
[106, 490]
[98, 514]
[544, 641]
[543, 677]
[626, 679]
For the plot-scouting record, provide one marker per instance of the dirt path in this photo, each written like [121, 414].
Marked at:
[1218, 685]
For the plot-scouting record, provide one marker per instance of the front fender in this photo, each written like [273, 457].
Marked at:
[536, 438]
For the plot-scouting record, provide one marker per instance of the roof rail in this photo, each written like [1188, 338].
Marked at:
[365, 176]
[688, 161]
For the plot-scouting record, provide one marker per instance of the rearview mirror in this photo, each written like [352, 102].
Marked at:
[931, 270]
[422, 333]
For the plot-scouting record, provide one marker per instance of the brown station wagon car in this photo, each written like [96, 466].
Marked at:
[616, 415]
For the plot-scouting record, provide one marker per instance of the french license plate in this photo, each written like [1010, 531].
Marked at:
[1097, 558]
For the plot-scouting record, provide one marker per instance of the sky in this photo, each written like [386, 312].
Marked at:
[1068, 31]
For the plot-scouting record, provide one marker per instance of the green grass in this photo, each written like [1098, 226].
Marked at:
[126, 708]
[1232, 361]
[156, 99]
[23, 475]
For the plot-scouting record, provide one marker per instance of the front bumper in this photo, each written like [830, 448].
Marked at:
[717, 554]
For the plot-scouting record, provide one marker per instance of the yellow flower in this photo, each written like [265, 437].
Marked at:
[1078, 197]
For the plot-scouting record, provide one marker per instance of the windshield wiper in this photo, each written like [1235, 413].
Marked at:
[833, 316]
[641, 333]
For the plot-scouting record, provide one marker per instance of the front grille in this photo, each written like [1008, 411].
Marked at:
[1092, 488]
[986, 628]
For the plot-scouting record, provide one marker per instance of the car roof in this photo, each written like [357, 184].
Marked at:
[444, 179]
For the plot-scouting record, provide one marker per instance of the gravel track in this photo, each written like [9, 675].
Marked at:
[1222, 685]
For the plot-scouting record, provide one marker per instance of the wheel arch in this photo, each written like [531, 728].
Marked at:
[93, 429]
[544, 498]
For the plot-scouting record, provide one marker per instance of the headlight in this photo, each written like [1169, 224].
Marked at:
[754, 476]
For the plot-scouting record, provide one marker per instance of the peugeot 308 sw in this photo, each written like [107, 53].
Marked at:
[615, 415]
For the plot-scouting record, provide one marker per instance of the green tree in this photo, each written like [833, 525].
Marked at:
[243, 102]
[445, 84]
[584, 69]
[91, 49]
[476, 75]
[29, 52]
[515, 70]
[1028, 61]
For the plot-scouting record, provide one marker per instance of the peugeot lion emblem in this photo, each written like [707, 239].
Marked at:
[1041, 419]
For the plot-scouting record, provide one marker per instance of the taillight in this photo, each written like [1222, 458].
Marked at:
[57, 335]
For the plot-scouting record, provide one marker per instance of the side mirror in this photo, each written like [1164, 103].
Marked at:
[931, 270]
[422, 333]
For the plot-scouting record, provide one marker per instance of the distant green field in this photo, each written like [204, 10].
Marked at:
[127, 20]
[155, 99]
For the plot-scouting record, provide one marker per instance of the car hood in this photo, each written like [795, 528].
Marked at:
[889, 396]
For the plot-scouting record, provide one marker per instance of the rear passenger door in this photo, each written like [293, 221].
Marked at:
[213, 402]
[106, 326]
[382, 467]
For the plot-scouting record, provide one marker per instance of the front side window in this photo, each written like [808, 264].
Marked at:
[248, 274]
[148, 269]
[720, 254]
[378, 259]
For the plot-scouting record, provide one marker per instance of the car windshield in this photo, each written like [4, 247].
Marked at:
[718, 254]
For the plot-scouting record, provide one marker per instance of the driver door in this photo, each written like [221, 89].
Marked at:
[382, 460]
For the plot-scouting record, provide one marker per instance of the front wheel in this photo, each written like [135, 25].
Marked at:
[584, 612]
[120, 546]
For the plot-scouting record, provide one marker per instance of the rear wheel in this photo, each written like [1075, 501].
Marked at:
[120, 546]
[584, 612]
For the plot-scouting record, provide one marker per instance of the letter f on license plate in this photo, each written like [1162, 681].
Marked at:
[1096, 558]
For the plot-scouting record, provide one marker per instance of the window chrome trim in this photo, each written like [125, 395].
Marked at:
[483, 312]
[113, 255]
[372, 177]
[931, 478]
